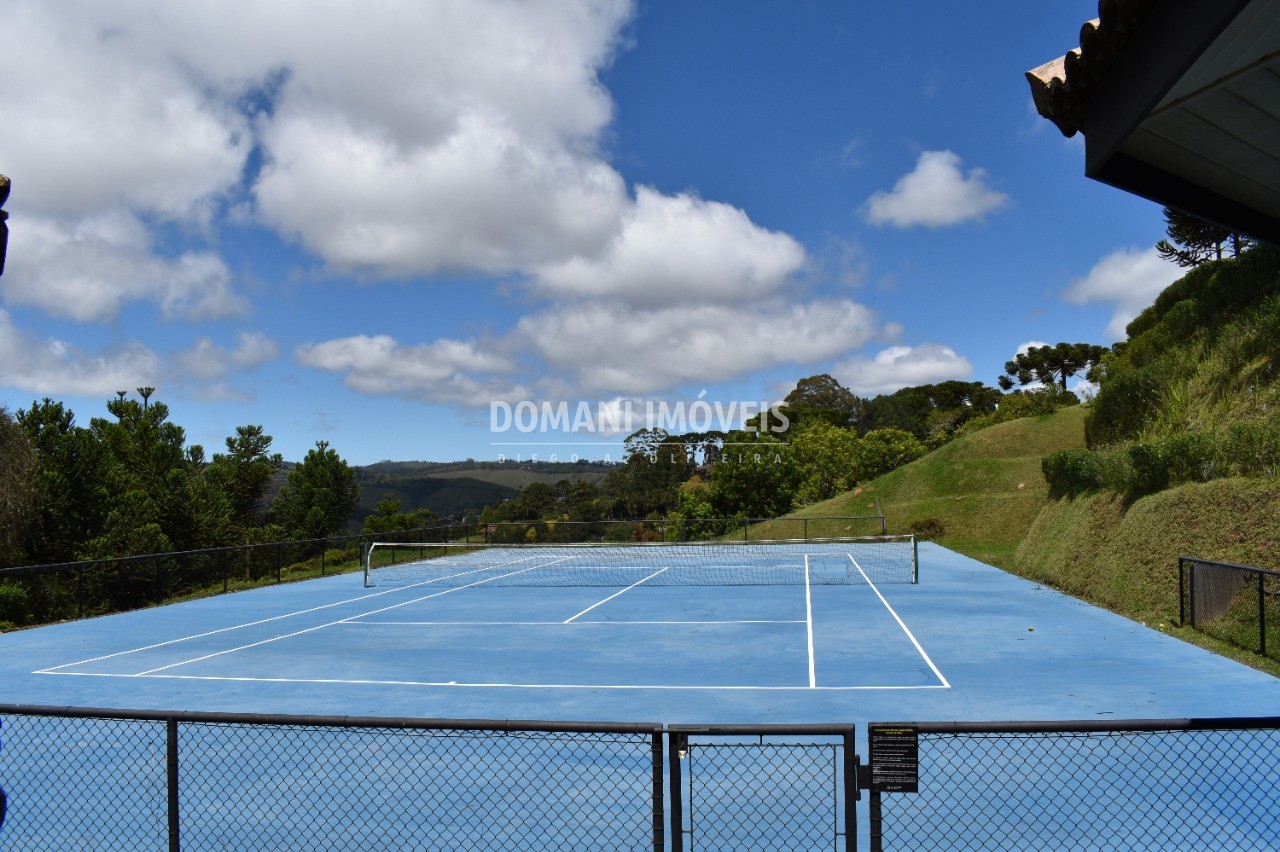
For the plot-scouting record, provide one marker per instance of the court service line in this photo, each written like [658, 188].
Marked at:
[808, 617]
[361, 623]
[901, 623]
[340, 621]
[454, 683]
[616, 594]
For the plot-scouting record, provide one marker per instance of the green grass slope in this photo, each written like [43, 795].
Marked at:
[1125, 557]
[978, 494]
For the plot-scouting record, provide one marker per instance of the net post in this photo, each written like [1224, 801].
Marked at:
[366, 554]
[915, 558]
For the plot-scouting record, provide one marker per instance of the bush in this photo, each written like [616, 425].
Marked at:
[15, 609]
[928, 529]
[1250, 448]
[1072, 472]
[1188, 457]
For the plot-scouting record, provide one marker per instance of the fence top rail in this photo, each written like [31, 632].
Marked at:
[282, 719]
[1218, 564]
[768, 730]
[1094, 726]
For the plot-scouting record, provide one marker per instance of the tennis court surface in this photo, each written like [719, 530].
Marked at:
[682, 638]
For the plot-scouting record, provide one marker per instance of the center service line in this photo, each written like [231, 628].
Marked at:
[808, 617]
[615, 594]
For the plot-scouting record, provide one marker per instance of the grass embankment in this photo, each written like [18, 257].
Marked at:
[1125, 557]
[978, 494]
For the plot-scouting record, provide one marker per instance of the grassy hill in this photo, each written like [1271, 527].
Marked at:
[984, 495]
[978, 494]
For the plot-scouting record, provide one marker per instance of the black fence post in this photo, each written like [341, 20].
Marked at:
[677, 746]
[851, 793]
[1182, 613]
[171, 761]
[659, 788]
[1262, 614]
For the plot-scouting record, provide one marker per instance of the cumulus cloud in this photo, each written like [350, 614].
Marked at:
[440, 371]
[614, 347]
[1129, 279]
[88, 269]
[935, 194]
[677, 248]
[898, 367]
[208, 361]
[53, 367]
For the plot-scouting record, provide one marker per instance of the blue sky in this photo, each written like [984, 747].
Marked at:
[378, 225]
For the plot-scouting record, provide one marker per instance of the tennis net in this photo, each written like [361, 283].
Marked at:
[837, 561]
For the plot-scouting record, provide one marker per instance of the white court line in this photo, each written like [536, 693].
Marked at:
[808, 617]
[615, 594]
[592, 686]
[397, 590]
[557, 623]
[340, 621]
[901, 623]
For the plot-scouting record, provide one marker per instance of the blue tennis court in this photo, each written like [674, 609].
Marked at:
[968, 642]
[829, 641]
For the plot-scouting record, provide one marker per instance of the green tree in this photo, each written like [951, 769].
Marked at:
[389, 517]
[1051, 364]
[243, 474]
[883, 450]
[1191, 241]
[828, 459]
[645, 483]
[756, 477]
[70, 482]
[158, 497]
[319, 497]
[18, 465]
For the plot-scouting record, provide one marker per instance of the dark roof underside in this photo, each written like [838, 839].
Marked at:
[1179, 102]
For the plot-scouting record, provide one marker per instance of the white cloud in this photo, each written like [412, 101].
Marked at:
[902, 366]
[440, 371]
[54, 367]
[680, 248]
[1129, 278]
[207, 360]
[89, 268]
[936, 194]
[97, 115]
[614, 347]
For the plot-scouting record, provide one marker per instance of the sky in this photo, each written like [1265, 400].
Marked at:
[491, 229]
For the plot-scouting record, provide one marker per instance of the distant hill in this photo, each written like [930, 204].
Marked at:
[451, 489]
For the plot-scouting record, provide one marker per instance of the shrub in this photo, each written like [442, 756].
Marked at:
[14, 606]
[1250, 448]
[1072, 472]
[1148, 469]
[928, 529]
[1188, 457]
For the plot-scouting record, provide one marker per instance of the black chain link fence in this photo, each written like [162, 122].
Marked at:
[1170, 784]
[90, 779]
[1239, 604]
[139, 780]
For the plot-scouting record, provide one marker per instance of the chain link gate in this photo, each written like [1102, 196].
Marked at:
[763, 787]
